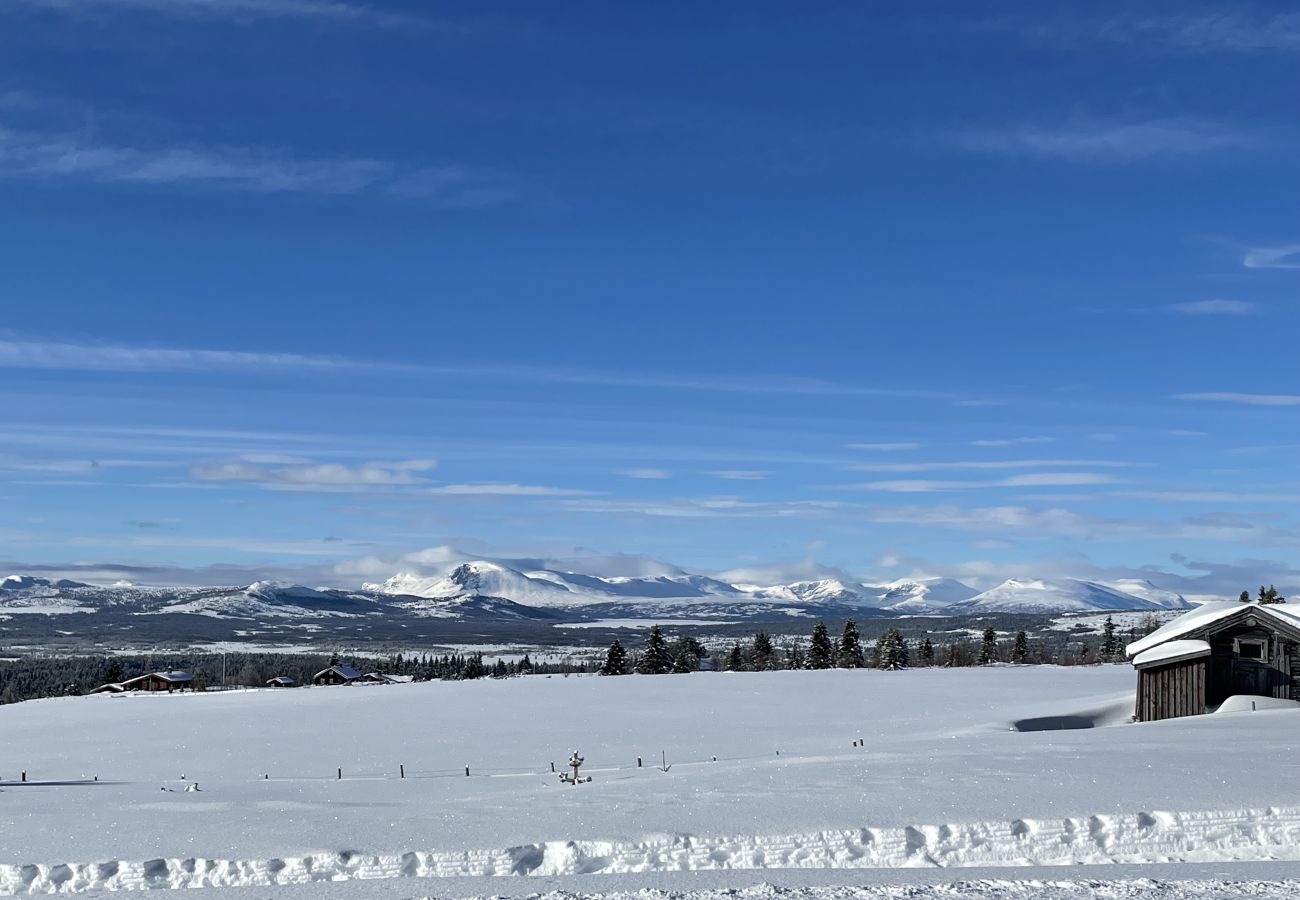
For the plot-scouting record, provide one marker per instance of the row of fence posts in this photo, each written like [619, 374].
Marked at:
[663, 762]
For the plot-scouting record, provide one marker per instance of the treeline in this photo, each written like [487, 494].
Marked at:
[890, 651]
[33, 677]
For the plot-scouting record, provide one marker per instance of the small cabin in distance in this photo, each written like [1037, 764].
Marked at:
[153, 681]
[338, 674]
[1219, 650]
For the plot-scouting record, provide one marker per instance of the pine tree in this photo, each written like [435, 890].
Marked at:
[761, 652]
[1245, 597]
[1269, 595]
[890, 651]
[795, 658]
[820, 653]
[989, 647]
[735, 659]
[1109, 643]
[655, 660]
[686, 653]
[927, 652]
[849, 652]
[1020, 651]
[615, 660]
[525, 665]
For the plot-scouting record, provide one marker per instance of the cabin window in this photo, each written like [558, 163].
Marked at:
[1250, 649]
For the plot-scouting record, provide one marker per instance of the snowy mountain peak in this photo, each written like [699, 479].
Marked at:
[925, 595]
[1037, 595]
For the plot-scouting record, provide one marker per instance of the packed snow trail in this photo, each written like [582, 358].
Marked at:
[1144, 837]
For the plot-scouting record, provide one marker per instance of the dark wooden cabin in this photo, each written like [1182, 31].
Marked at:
[1220, 650]
[336, 675]
[153, 681]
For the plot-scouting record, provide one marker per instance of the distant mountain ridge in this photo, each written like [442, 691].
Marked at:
[492, 591]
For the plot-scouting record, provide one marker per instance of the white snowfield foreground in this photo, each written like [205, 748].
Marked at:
[765, 772]
[1142, 838]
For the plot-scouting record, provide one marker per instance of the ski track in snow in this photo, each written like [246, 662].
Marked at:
[1145, 837]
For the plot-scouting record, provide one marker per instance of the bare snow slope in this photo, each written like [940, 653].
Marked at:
[762, 773]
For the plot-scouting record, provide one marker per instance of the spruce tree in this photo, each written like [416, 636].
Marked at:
[735, 659]
[820, 653]
[849, 652]
[989, 647]
[761, 652]
[1245, 597]
[1109, 643]
[795, 658]
[615, 660]
[655, 660]
[1269, 595]
[927, 652]
[686, 653]
[890, 654]
[1020, 652]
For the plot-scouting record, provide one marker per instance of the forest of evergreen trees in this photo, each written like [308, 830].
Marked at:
[891, 650]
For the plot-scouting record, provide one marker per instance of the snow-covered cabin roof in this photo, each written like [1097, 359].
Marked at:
[346, 672]
[1208, 614]
[175, 677]
[1172, 651]
[282, 680]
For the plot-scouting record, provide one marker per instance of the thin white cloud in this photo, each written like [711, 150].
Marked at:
[645, 474]
[1057, 522]
[241, 11]
[1214, 308]
[989, 464]
[885, 446]
[313, 475]
[1206, 30]
[17, 353]
[1013, 442]
[1243, 399]
[507, 489]
[53, 157]
[739, 474]
[1035, 479]
[1283, 257]
[706, 508]
[1104, 141]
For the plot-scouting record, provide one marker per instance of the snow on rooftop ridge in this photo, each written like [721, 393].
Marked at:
[1207, 614]
[1171, 651]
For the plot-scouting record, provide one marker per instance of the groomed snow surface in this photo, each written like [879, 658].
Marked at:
[942, 781]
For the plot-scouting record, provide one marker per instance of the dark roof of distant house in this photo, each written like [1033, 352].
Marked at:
[343, 671]
[280, 679]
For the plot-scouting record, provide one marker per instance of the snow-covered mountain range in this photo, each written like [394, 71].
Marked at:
[488, 591]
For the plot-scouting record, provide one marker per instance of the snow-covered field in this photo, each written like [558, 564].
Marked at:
[942, 780]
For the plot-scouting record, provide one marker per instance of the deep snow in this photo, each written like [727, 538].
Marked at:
[942, 779]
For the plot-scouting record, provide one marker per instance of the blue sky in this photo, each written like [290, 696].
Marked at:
[307, 288]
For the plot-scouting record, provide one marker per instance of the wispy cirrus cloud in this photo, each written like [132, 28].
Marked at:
[1013, 442]
[1233, 29]
[1214, 308]
[1058, 522]
[706, 507]
[308, 475]
[886, 446]
[508, 489]
[994, 464]
[646, 474]
[240, 11]
[739, 474]
[54, 157]
[16, 353]
[1107, 141]
[1034, 479]
[1286, 256]
[1242, 399]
